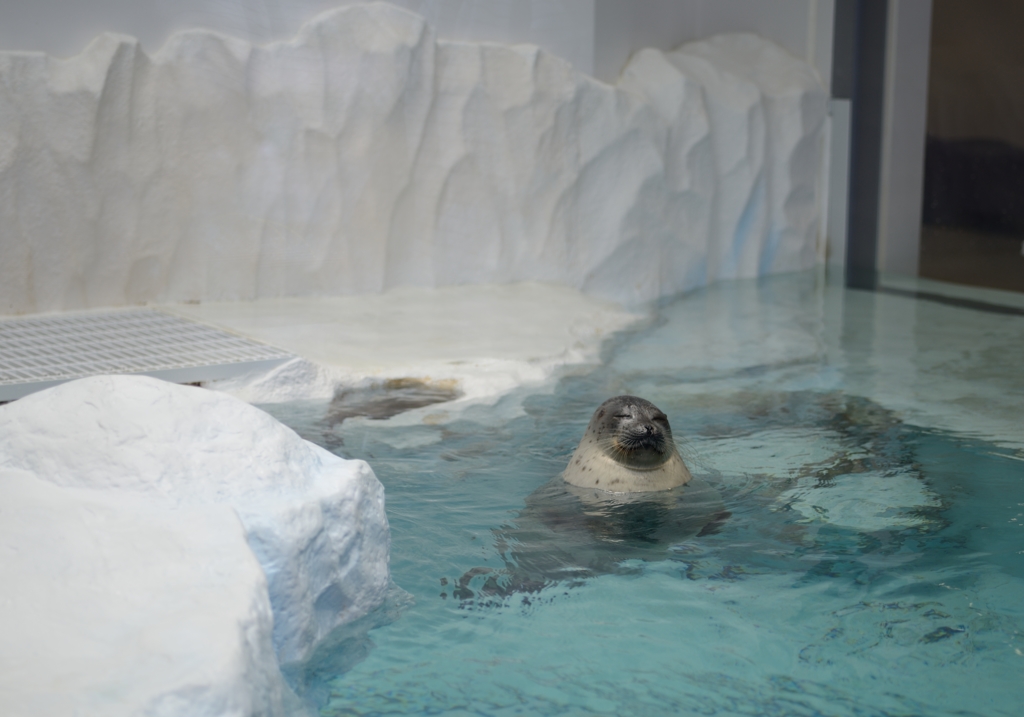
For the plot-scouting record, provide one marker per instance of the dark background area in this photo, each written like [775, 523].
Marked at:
[973, 209]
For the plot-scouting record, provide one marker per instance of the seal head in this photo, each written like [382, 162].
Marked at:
[628, 447]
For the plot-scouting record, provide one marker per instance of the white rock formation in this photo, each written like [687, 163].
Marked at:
[115, 605]
[314, 521]
[365, 154]
[761, 104]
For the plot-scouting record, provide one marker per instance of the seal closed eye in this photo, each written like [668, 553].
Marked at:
[627, 448]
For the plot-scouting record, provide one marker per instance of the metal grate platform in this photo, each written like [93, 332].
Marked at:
[39, 352]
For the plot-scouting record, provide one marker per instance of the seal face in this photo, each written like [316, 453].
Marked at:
[627, 448]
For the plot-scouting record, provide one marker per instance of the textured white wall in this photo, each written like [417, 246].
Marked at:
[364, 154]
[596, 36]
[562, 27]
[622, 27]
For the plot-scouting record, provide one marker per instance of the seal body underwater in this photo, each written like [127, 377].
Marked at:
[626, 494]
[627, 448]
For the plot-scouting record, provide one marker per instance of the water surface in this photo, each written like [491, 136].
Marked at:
[872, 564]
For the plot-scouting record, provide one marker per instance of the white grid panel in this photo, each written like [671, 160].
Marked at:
[42, 351]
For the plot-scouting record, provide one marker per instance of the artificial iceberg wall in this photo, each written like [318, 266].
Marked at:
[166, 547]
[365, 154]
[314, 521]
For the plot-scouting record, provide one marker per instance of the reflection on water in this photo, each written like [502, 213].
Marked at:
[868, 565]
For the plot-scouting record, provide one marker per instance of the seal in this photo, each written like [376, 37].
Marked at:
[627, 448]
[626, 495]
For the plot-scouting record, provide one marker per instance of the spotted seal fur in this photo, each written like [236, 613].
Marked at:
[627, 448]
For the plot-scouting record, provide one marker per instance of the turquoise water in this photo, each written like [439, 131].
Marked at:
[871, 565]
